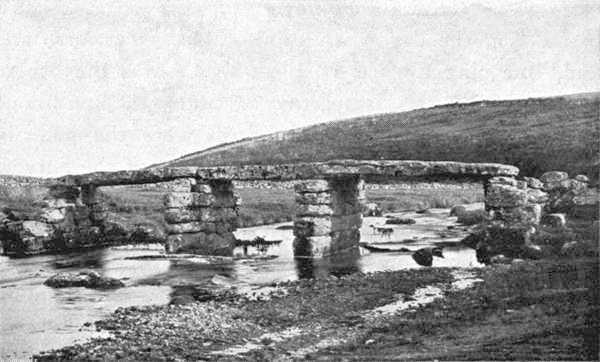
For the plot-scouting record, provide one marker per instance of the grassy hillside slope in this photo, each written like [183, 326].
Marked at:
[536, 135]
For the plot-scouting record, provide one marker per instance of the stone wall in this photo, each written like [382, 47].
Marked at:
[15, 181]
[201, 216]
[562, 190]
[524, 201]
[62, 222]
[328, 216]
[525, 215]
[515, 201]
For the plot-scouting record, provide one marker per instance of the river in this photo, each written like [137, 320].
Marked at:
[35, 317]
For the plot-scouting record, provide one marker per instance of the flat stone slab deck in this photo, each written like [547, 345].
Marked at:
[295, 171]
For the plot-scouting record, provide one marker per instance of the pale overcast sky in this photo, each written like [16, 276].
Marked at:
[106, 85]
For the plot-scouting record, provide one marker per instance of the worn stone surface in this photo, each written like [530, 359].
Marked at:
[521, 184]
[189, 199]
[298, 171]
[564, 186]
[89, 279]
[320, 226]
[497, 238]
[311, 245]
[577, 187]
[345, 239]
[183, 185]
[554, 176]
[219, 227]
[533, 213]
[562, 195]
[528, 215]
[536, 196]
[313, 210]
[502, 180]
[314, 198]
[505, 196]
[312, 186]
[533, 182]
[57, 203]
[201, 187]
[53, 216]
[37, 229]
[582, 178]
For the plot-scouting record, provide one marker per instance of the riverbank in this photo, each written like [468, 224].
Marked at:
[530, 310]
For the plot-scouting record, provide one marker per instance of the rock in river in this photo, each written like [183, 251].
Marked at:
[425, 256]
[88, 279]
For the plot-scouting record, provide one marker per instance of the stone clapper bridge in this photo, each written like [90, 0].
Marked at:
[201, 208]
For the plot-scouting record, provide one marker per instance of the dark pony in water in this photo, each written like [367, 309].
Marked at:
[383, 231]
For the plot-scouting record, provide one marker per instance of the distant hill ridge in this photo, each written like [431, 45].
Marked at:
[536, 134]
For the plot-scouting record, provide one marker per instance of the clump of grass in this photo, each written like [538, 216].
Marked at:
[514, 314]
[327, 300]
[419, 199]
[265, 206]
[21, 199]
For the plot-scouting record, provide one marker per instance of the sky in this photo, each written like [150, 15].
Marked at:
[107, 85]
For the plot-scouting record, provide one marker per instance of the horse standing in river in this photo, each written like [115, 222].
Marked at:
[383, 231]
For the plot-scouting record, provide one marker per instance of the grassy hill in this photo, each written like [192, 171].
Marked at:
[537, 135]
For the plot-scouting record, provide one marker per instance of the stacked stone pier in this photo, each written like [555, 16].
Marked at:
[515, 201]
[328, 216]
[201, 216]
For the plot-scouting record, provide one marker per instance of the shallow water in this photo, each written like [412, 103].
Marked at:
[35, 317]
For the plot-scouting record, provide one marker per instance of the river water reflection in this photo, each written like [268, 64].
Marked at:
[35, 317]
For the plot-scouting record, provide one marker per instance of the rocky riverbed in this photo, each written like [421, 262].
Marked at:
[261, 306]
[546, 310]
[56, 317]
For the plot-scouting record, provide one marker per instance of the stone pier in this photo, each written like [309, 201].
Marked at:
[515, 201]
[201, 216]
[328, 216]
